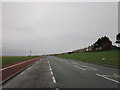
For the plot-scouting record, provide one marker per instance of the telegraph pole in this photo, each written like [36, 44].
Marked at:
[30, 52]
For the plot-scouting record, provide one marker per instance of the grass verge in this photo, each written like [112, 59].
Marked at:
[13, 59]
[109, 57]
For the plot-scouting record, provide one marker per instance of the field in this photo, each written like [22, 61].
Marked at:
[102, 57]
[13, 59]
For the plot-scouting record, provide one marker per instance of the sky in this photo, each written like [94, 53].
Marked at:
[55, 27]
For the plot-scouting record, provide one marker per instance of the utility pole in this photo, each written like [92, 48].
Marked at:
[30, 52]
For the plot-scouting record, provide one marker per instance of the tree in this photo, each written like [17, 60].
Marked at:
[107, 44]
[118, 38]
[103, 42]
[98, 43]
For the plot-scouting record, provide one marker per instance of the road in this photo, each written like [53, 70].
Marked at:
[55, 72]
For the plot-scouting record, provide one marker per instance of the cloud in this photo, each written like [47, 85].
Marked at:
[55, 27]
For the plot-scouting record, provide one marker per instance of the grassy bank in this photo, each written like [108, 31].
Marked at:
[13, 59]
[102, 57]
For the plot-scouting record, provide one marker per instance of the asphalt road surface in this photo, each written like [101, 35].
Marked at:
[55, 72]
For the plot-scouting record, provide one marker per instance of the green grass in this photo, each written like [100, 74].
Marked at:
[111, 57]
[13, 59]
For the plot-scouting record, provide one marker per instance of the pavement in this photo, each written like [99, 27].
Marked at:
[55, 72]
[10, 70]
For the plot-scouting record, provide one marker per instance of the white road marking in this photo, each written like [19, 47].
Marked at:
[50, 69]
[14, 65]
[75, 66]
[49, 66]
[54, 79]
[79, 67]
[48, 62]
[51, 72]
[116, 75]
[67, 63]
[74, 63]
[103, 76]
[57, 88]
[89, 67]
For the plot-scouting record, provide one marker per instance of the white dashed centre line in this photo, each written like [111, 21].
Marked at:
[51, 72]
[50, 69]
[49, 66]
[54, 80]
[107, 78]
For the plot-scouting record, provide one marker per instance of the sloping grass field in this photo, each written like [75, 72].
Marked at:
[13, 59]
[109, 57]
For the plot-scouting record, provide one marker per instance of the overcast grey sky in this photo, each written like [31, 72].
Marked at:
[49, 27]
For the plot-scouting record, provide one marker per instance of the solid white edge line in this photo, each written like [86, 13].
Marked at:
[54, 79]
[107, 78]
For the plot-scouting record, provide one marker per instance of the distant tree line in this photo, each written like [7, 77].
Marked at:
[103, 43]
